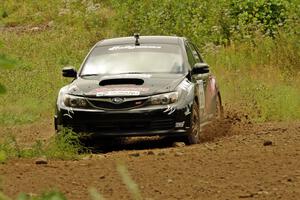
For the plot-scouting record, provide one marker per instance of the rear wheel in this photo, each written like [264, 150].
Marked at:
[193, 136]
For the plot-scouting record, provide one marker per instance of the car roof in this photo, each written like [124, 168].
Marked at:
[142, 40]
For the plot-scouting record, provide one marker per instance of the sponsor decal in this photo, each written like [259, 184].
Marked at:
[130, 47]
[118, 93]
[111, 88]
[170, 110]
[179, 124]
[70, 113]
[187, 111]
[201, 94]
[185, 85]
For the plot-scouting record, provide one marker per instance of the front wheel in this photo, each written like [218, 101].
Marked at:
[193, 136]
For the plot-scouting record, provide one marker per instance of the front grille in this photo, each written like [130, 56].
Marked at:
[125, 125]
[108, 104]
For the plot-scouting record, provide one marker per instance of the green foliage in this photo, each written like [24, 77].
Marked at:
[71, 26]
[95, 195]
[3, 197]
[10, 148]
[198, 20]
[265, 16]
[130, 184]
[261, 38]
[53, 195]
[260, 78]
[44, 36]
[4, 64]
[66, 145]
[219, 21]
[3, 157]
[2, 89]
[252, 46]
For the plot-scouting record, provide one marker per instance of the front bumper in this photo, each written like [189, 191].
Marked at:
[160, 120]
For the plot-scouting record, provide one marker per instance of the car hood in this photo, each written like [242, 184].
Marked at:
[125, 85]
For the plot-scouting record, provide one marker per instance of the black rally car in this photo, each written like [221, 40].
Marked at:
[140, 86]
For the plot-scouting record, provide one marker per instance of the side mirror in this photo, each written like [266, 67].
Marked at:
[200, 68]
[69, 72]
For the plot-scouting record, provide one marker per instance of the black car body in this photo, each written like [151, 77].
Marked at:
[140, 86]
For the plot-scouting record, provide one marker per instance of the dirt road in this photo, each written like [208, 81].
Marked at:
[260, 161]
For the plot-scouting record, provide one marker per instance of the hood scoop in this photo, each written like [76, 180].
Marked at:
[122, 81]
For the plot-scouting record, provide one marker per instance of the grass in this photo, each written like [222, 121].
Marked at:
[53, 195]
[258, 76]
[64, 146]
[34, 82]
[27, 98]
[130, 184]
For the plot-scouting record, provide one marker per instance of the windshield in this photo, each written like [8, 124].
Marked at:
[162, 58]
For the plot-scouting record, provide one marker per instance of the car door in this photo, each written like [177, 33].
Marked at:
[200, 80]
[207, 85]
[210, 89]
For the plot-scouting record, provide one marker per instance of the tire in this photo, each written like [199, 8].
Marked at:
[193, 136]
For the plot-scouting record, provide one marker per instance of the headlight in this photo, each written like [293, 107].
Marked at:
[75, 101]
[164, 99]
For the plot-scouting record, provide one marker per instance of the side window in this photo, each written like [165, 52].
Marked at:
[199, 55]
[190, 55]
[196, 53]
